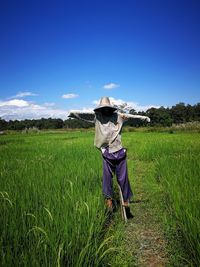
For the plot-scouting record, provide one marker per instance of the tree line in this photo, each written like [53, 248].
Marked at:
[179, 113]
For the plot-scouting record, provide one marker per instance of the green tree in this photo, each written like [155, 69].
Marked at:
[159, 116]
[179, 113]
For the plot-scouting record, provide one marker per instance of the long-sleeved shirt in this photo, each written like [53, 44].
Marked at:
[107, 128]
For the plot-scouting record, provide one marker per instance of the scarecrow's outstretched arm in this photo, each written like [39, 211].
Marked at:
[85, 116]
[130, 117]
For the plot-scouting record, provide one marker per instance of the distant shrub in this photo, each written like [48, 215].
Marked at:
[129, 129]
[187, 126]
[30, 130]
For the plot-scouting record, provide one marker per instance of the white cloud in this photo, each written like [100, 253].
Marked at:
[18, 109]
[23, 94]
[110, 86]
[14, 103]
[127, 105]
[68, 96]
[84, 110]
[48, 104]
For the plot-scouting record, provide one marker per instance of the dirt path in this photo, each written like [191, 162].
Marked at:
[144, 237]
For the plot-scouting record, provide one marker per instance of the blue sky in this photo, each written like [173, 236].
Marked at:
[61, 55]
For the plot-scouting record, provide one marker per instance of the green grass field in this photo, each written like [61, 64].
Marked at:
[51, 205]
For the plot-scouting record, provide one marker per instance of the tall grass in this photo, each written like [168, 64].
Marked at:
[51, 206]
[176, 169]
[180, 179]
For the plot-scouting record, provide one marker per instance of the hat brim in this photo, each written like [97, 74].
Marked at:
[101, 107]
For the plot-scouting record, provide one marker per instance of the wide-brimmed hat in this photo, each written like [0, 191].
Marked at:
[105, 103]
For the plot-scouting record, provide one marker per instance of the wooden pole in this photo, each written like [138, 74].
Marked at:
[122, 207]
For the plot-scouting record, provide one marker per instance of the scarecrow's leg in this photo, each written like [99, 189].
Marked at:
[107, 182]
[122, 178]
[125, 188]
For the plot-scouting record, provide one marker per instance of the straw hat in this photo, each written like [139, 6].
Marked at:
[105, 103]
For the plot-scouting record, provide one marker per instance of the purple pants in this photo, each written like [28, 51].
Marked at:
[115, 163]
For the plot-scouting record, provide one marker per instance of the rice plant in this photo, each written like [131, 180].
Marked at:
[176, 169]
[51, 204]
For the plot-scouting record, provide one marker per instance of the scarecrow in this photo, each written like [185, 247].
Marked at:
[108, 127]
